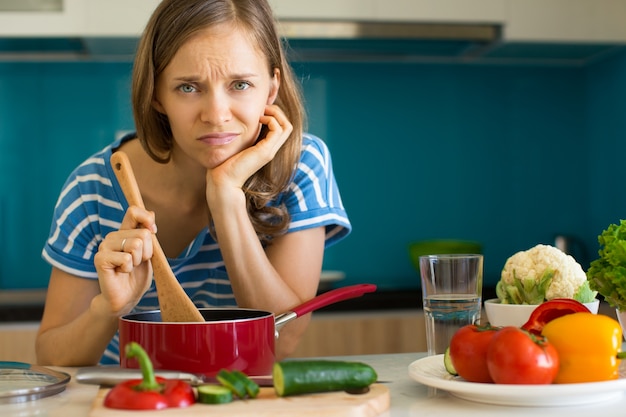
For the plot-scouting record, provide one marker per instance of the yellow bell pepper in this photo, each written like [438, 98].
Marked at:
[589, 347]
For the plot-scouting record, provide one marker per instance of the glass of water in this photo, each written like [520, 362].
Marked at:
[451, 291]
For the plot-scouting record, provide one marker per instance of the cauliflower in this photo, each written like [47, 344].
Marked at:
[542, 273]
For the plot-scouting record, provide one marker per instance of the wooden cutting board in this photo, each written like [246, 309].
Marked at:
[330, 404]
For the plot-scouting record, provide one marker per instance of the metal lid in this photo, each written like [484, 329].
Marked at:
[20, 382]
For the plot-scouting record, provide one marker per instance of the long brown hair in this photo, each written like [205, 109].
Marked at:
[170, 26]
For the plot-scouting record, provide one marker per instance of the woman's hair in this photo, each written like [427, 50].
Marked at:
[170, 26]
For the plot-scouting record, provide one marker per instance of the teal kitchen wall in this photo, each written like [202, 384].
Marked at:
[506, 155]
[493, 154]
[605, 191]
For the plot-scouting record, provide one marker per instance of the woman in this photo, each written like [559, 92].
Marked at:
[245, 203]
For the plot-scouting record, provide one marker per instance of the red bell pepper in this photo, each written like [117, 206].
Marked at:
[550, 310]
[151, 392]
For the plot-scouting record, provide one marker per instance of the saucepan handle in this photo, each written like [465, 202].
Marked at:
[323, 300]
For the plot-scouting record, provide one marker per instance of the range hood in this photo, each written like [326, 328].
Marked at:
[342, 41]
[306, 29]
[345, 41]
[376, 41]
[308, 40]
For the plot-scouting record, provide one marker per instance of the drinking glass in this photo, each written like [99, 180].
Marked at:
[451, 294]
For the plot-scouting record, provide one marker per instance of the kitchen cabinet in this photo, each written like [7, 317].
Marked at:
[328, 334]
[17, 342]
[118, 18]
[69, 22]
[324, 9]
[374, 332]
[476, 11]
[81, 18]
[566, 20]
[521, 20]
[360, 333]
[448, 11]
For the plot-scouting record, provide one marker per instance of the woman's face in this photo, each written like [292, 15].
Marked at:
[213, 93]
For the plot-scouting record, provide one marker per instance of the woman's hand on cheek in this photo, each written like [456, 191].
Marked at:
[279, 129]
[122, 261]
[237, 169]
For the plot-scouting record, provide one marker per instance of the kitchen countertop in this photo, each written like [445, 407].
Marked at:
[408, 397]
[27, 305]
[21, 305]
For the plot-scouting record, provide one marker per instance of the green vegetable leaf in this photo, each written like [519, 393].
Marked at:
[525, 290]
[510, 294]
[501, 291]
[585, 294]
[544, 283]
[607, 274]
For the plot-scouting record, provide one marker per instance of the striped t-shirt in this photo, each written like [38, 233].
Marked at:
[92, 204]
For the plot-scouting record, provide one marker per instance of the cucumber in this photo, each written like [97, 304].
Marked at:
[308, 376]
[252, 388]
[214, 394]
[232, 382]
[447, 362]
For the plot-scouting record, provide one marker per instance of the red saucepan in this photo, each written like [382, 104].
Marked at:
[231, 338]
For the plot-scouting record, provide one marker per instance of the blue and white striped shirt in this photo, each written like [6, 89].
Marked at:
[92, 204]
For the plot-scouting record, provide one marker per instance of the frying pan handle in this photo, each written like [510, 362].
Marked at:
[327, 298]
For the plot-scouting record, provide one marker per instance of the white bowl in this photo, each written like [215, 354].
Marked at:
[517, 314]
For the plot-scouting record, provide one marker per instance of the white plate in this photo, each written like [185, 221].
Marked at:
[430, 371]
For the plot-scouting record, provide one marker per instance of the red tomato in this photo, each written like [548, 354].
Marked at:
[515, 356]
[468, 352]
[549, 310]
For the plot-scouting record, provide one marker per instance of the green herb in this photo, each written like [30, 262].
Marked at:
[607, 274]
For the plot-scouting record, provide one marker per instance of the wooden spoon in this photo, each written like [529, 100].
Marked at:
[175, 305]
